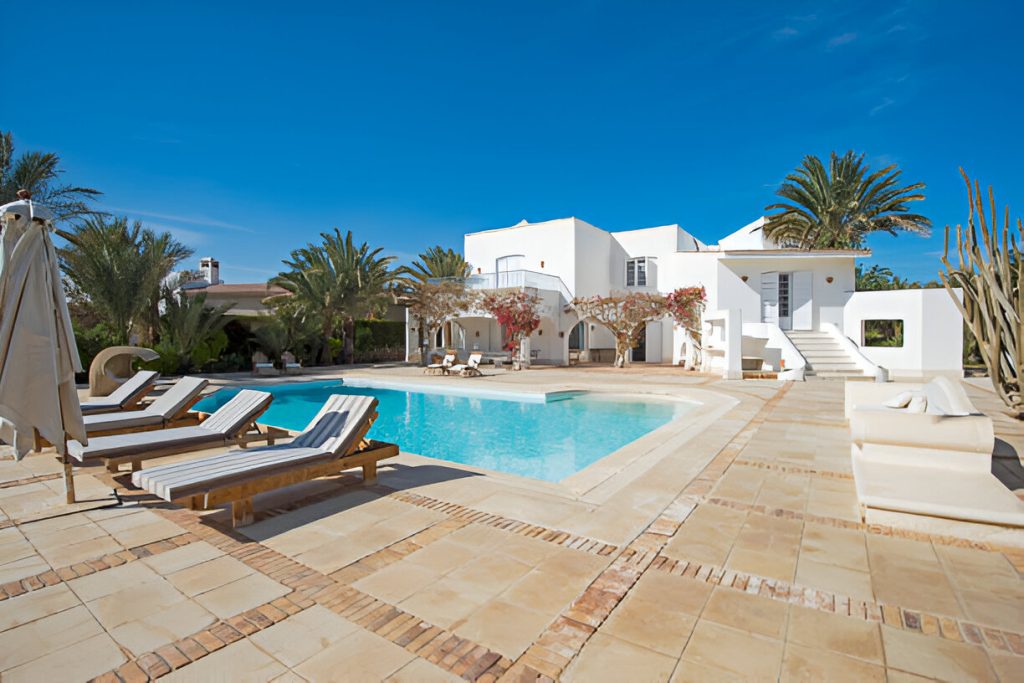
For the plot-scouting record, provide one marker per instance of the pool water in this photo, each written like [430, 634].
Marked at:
[531, 438]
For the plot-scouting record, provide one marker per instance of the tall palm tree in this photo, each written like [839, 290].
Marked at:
[39, 173]
[836, 207]
[433, 264]
[118, 269]
[338, 281]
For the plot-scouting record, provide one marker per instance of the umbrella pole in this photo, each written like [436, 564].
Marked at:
[69, 479]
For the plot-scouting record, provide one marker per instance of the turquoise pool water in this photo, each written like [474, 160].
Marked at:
[543, 440]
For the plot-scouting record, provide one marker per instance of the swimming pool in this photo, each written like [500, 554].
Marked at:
[525, 434]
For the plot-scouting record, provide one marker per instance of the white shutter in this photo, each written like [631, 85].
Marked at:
[803, 310]
[770, 298]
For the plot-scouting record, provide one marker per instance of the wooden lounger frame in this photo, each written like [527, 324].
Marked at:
[183, 418]
[250, 434]
[366, 454]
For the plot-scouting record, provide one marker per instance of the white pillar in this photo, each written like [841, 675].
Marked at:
[733, 344]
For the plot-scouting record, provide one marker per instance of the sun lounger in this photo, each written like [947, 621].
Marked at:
[334, 440]
[442, 367]
[125, 396]
[168, 410]
[471, 368]
[234, 423]
[289, 365]
[261, 365]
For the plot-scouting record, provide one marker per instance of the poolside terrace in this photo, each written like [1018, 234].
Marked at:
[727, 545]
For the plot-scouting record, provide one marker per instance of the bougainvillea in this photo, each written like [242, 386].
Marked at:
[685, 306]
[517, 314]
[625, 316]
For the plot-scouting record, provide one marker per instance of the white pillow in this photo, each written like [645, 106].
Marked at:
[901, 400]
[918, 404]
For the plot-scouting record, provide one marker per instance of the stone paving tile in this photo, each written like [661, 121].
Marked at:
[606, 658]
[801, 663]
[422, 671]
[182, 558]
[30, 641]
[659, 613]
[75, 661]
[241, 661]
[936, 658]
[834, 633]
[362, 656]
[36, 605]
[242, 594]
[162, 626]
[206, 576]
[742, 654]
[301, 636]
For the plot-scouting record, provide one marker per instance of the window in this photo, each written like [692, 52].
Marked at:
[783, 295]
[882, 333]
[636, 272]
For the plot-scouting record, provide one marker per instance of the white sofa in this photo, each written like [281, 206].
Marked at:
[935, 463]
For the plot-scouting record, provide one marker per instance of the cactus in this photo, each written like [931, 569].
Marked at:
[991, 274]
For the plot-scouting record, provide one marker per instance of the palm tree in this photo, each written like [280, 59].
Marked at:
[436, 263]
[191, 333]
[836, 207]
[873, 279]
[39, 173]
[338, 282]
[118, 269]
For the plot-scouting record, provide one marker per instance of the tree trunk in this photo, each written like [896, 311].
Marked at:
[421, 335]
[349, 351]
[622, 347]
[325, 350]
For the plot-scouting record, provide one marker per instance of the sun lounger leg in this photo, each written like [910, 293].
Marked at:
[241, 512]
[69, 479]
[136, 465]
[112, 466]
[370, 473]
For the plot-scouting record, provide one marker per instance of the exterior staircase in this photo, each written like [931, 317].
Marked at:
[826, 359]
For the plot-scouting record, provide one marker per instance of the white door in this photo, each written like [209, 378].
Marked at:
[770, 298]
[801, 295]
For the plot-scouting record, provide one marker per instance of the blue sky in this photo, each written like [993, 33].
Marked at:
[247, 128]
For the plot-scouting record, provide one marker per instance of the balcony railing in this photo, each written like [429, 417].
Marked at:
[517, 279]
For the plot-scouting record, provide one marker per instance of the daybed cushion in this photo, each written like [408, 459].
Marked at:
[879, 425]
[954, 494]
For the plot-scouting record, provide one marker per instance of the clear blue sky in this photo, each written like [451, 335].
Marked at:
[249, 127]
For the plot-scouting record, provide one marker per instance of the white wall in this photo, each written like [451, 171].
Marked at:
[932, 330]
[829, 297]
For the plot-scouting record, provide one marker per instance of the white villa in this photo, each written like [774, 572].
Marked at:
[769, 308]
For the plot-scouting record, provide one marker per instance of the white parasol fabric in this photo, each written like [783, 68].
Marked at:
[38, 356]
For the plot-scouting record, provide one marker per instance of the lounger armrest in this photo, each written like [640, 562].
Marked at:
[879, 425]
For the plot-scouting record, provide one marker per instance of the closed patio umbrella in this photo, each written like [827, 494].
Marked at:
[38, 356]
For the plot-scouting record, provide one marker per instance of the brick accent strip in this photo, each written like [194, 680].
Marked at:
[515, 526]
[52, 577]
[30, 480]
[835, 603]
[793, 469]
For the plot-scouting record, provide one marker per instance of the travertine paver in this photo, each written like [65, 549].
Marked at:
[738, 555]
[241, 661]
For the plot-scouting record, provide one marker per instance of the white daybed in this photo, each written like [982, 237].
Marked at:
[936, 463]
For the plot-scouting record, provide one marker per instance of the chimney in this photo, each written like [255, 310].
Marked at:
[209, 269]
